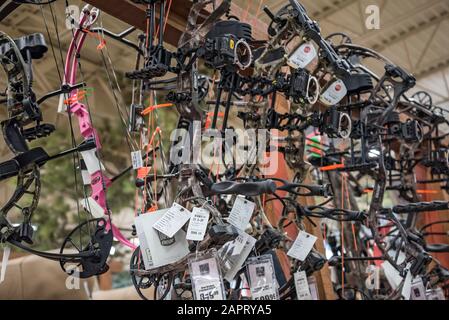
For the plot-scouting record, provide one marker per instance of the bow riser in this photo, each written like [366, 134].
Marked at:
[96, 204]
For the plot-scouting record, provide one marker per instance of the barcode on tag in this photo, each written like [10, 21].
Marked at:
[262, 278]
[198, 224]
[136, 159]
[173, 220]
[302, 246]
[241, 213]
[302, 286]
[418, 291]
[206, 279]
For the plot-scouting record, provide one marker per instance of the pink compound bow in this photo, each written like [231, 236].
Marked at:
[96, 204]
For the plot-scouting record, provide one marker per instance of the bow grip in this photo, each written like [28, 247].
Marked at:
[249, 189]
[422, 207]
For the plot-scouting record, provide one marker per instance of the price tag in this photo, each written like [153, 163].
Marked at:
[262, 278]
[173, 220]
[198, 224]
[239, 243]
[236, 246]
[303, 56]
[334, 93]
[136, 159]
[157, 249]
[5, 260]
[206, 279]
[418, 291]
[436, 294]
[302, 246]
[232, 260]
[302, 286]
[241, 213]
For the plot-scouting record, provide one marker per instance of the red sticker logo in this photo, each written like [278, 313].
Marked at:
[338, 87]
[307, 49]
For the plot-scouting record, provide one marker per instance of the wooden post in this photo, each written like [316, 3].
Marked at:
[423, 173]
[325, 287]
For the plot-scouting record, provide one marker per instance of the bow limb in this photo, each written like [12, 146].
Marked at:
[99, 182]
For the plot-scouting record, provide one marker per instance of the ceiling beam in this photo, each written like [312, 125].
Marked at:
[413, 30]
[435, 66]
[332, 8]
[372, 36]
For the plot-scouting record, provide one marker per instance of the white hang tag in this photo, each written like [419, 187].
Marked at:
[302, 286]
[173, 220]
[198, 224]
[5, 261]
[418, 292]
[372, 282]
[136, 159]
[91, 206]
[239, 243]
[206, 279]
[262, 278]
[232, 262]
[313, 286]
[157, 249]
[407, 287]
[241, 213]
[302, 246]
[334, 93]
[93, 164]
[435, 294]
[303, 56]
[235, 246]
